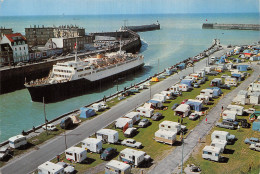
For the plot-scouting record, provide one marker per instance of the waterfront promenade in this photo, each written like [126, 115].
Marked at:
[30, 161]
[170, 164]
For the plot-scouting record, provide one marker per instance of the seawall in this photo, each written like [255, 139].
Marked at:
[231, 26]
[13, 78]
[142, 28]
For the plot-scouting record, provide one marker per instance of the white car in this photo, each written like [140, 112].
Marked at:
[50, 127]
[255, 147]
[131, 143]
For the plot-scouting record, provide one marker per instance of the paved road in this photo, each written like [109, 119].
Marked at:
[47, 151]
[173, 160]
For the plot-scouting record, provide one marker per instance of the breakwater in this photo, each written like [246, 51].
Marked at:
[142, 28]
[231, 26]
[13, 78]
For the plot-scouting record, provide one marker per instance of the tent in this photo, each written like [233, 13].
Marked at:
[155, 103]
[187, 82]
[86, 112]
[216, 91]
[242, 67]
[246, 51]
[181, 66]
[154, 79]
[195, 104]
[238, 60]
[237, 76]
[75, 120]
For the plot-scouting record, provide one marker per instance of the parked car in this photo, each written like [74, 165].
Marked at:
[243, 122]
[144, 122]
[131, 143]
[212, 73]
[175, 105]
[130, 132]
[196, 85]
[193, 116]
[255, 147]
[252, 140]
[225, 126]
[107, 153]
[50, 127]
[224, 86]
[157, 116]
[177, 93]
[229, 122]
[4, 151]
[224, 76]
[200, 82]
[205, 78]
[67, 167]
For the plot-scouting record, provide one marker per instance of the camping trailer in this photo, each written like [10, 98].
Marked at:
[76, 154]
[207, 92]
[168, 94]
[238, 109]
[223, 135]
[134, 157]
[196, 105]
[220, 144]
[50, 168]
[183, 87]
[170, 126]
[216, 82]
[107, 135]
[164, 136]
[122, 122]
[17, 141]
[135, 116]
[145, 111]
[117, 167]
[254, 87]
[175, 88]
[254, 98]
[182, 110]
[203, 98]
[231, 81]
[211, 153]
[92, 145]
[156, 103]
[97, 107]
[159, 97]
[229, 115]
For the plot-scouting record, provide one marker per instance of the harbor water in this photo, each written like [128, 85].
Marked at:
[181, 36]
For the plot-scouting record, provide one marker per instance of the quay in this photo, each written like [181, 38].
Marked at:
[48, 150]
[231, 26]
[142, 28]
[13, 77]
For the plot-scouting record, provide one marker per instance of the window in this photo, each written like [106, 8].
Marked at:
[162, 136]
[23, 48]
[144, 112]
[205, 152]
[15, 49]
[169, 127]
[210, 153]
[216, 154]
[162, 125]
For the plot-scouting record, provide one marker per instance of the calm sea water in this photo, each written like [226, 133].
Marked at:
[180, 37]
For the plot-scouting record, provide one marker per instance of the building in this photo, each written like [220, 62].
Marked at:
[13, 48]
[4, 31]
[38, 36]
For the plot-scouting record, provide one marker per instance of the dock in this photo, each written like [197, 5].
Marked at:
[231, 26]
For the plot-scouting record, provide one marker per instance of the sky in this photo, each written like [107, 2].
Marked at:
[95, 7]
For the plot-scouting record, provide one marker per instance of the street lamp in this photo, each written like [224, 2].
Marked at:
[7, 48]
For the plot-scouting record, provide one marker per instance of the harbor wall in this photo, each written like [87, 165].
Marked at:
[143, 28]
[13, 78]
[231, 26]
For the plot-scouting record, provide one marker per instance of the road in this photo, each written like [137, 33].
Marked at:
[30, 161]
[173, 160]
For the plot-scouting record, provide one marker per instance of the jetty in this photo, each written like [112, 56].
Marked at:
[142, 28]
[231, 26]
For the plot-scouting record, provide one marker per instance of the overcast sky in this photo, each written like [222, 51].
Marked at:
[84, 7]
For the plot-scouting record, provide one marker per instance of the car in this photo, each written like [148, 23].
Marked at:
[4, 151]
[67, 167]
[205, 78]
[175, 105]
[224, 86]
[225, 126]
[50, 127]
[196, 85]
[200, 82]
[177, 93]
[212, 73]
[243, 122]
[224, 76]
[157, 116]
[255, 147]
[108, 153]
[131, 143]
[194, 116]
[229, 122]
[252, 140]
[20, 64]
[144, 122]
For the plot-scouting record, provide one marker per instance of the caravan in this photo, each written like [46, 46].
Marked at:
[17, 141]
[168, 94]
[220, 144]
[239, 109]
[117, 167]
[203, 98]
[92, 144]
[164, 136]
[183, 110]
[122, 122]
[107, 135]
[145, 111]
[159, 97]
[76, 154]
[229, 115]
[231, 81]
[170, 126]
[211, 153]
[133, 157]
[207, 92]
[49, 167]
[223, 135]
[135, 116]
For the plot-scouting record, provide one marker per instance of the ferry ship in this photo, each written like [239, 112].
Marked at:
[74, 78]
